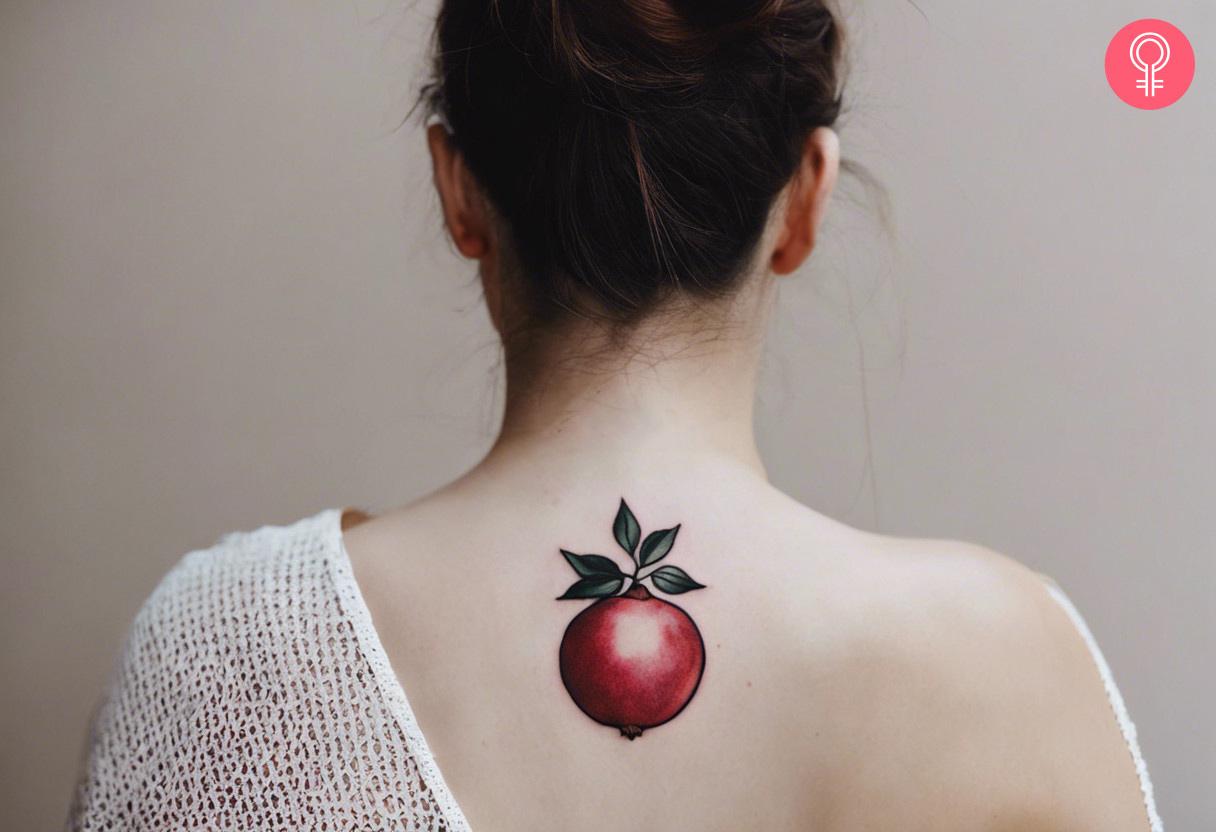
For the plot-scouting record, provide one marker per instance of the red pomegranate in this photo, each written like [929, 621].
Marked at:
[631, 660]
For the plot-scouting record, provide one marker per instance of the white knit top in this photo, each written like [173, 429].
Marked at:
[252, 693]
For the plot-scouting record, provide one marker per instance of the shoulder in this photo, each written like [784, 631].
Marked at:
[973, 673]
[215, 621]
[955, 593]
[902, 593]
[968, 624]
[243, 586]
[226, 662]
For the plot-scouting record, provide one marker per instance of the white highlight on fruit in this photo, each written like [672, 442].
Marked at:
[637, 636]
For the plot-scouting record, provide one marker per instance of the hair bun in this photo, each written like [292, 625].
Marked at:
[725, 17]
[639, 43]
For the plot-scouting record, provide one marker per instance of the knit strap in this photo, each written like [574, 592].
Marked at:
[1126, 726]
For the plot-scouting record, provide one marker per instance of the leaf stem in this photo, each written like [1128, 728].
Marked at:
[634, 580]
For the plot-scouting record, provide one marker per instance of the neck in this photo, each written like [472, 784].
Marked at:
[674, 397]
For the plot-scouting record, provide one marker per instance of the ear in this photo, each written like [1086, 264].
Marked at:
[809, 192]
[463, 210]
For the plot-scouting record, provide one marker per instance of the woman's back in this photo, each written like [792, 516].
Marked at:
[402, 672]
[850, 680]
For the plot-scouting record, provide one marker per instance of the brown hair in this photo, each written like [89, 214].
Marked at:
[632, 148]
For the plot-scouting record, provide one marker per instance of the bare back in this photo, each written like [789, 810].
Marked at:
[850, 680]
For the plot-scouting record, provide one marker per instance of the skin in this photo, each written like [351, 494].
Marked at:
[853, 680]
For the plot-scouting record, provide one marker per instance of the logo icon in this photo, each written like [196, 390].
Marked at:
[1149, 64]
[1150, 83]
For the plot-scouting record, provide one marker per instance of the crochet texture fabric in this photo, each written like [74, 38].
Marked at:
[252, 693]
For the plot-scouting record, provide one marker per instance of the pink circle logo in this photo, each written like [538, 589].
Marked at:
[1150, 63]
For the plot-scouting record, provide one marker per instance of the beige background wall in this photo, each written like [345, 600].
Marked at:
[225, 302]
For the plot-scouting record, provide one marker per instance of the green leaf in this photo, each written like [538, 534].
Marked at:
[593, 565]
[674, 580]
[626, 528]
[594, 587]
[656, 545]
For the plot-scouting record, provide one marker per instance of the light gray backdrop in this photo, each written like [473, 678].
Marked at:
[225, 302]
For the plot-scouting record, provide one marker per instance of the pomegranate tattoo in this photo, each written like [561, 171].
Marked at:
[630, 660]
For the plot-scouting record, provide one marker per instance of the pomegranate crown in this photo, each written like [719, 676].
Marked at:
[601, 577]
